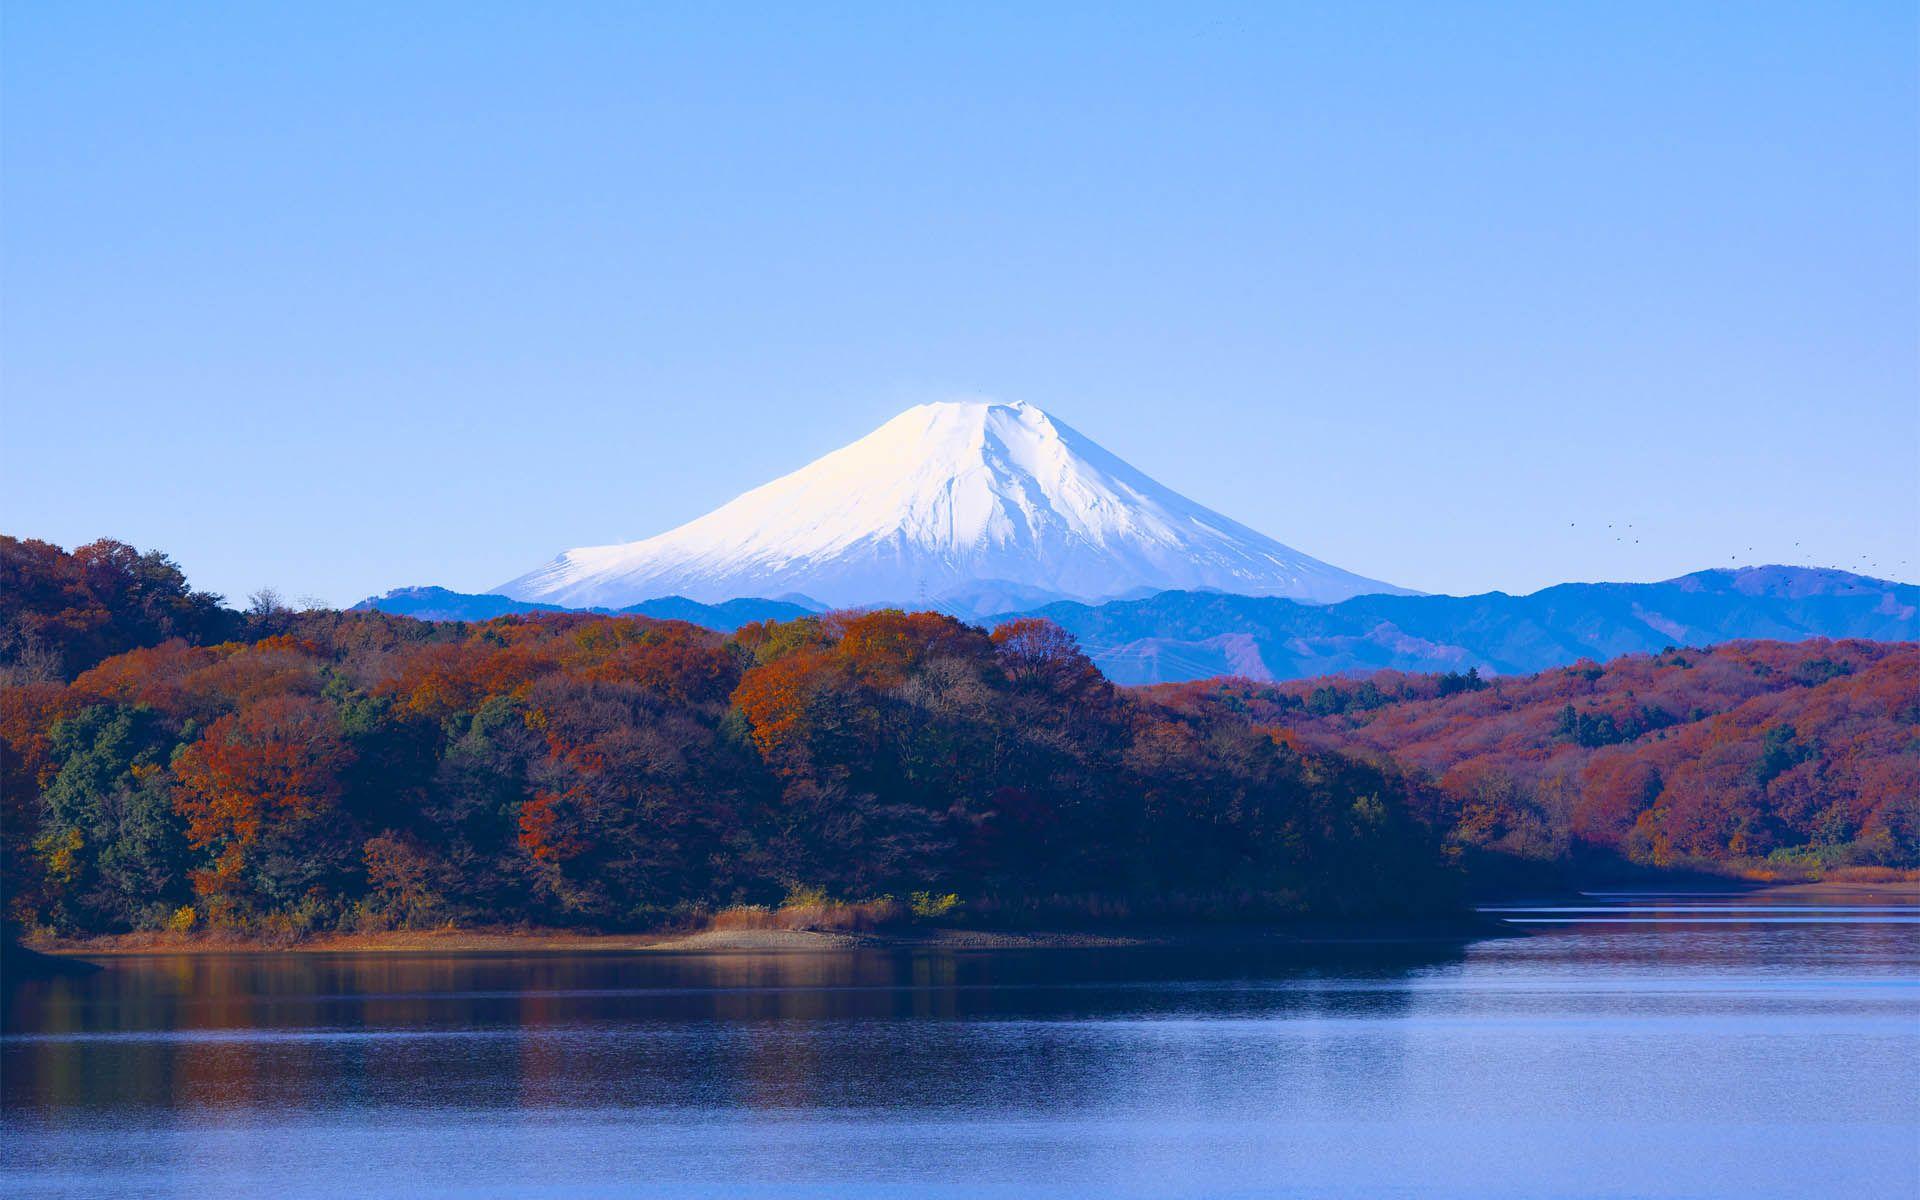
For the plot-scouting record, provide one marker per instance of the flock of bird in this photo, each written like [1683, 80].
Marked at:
[1860, 566]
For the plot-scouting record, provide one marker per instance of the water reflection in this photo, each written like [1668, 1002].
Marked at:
[1664, 1057]
[774, 1030]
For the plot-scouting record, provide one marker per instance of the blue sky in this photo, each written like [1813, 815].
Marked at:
[337, 298]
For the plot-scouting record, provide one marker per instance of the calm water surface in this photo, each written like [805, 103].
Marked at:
[1624, 1046]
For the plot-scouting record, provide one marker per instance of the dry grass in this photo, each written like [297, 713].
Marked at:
[817, 915]
[444, 939]
[1790, 873]
[1871, 875]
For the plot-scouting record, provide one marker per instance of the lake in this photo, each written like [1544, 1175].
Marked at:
[1625, 1045]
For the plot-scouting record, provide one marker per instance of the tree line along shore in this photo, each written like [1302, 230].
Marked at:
[180, 771]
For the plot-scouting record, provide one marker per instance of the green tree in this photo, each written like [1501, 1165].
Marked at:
[113, 848]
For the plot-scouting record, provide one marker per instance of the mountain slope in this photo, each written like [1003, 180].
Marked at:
[1186, 635]
[947, 498]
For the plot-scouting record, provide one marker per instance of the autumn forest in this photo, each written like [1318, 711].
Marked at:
[173, 764]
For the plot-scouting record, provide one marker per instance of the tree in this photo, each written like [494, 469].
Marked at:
[261, 789]
[111, 845]
[62, 613]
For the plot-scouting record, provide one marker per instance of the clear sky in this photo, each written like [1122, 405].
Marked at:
[340, 297]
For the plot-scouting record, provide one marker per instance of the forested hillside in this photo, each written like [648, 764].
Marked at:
[328, 770]
[61, 613]
[170, 763]
[1756, 753]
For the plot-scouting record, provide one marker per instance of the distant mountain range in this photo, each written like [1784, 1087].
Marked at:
[439, 604]
[1190, 635]
[988, 511]
[976, 505]
[1179, 635]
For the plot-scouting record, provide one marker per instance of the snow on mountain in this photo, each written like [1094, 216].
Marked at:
[942, 504]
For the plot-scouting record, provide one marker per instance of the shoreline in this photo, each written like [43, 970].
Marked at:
[1467, 926]
[1892, 889]
[1458, 928]
[1884, 891]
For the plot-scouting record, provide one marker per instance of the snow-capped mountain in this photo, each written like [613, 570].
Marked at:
[943, 503]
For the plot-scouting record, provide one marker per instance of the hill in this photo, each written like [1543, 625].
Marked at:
[168, 761]
[1760, 754]
[361, 771]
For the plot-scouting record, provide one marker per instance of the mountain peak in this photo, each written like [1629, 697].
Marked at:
[945, 497]
[973, 404]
